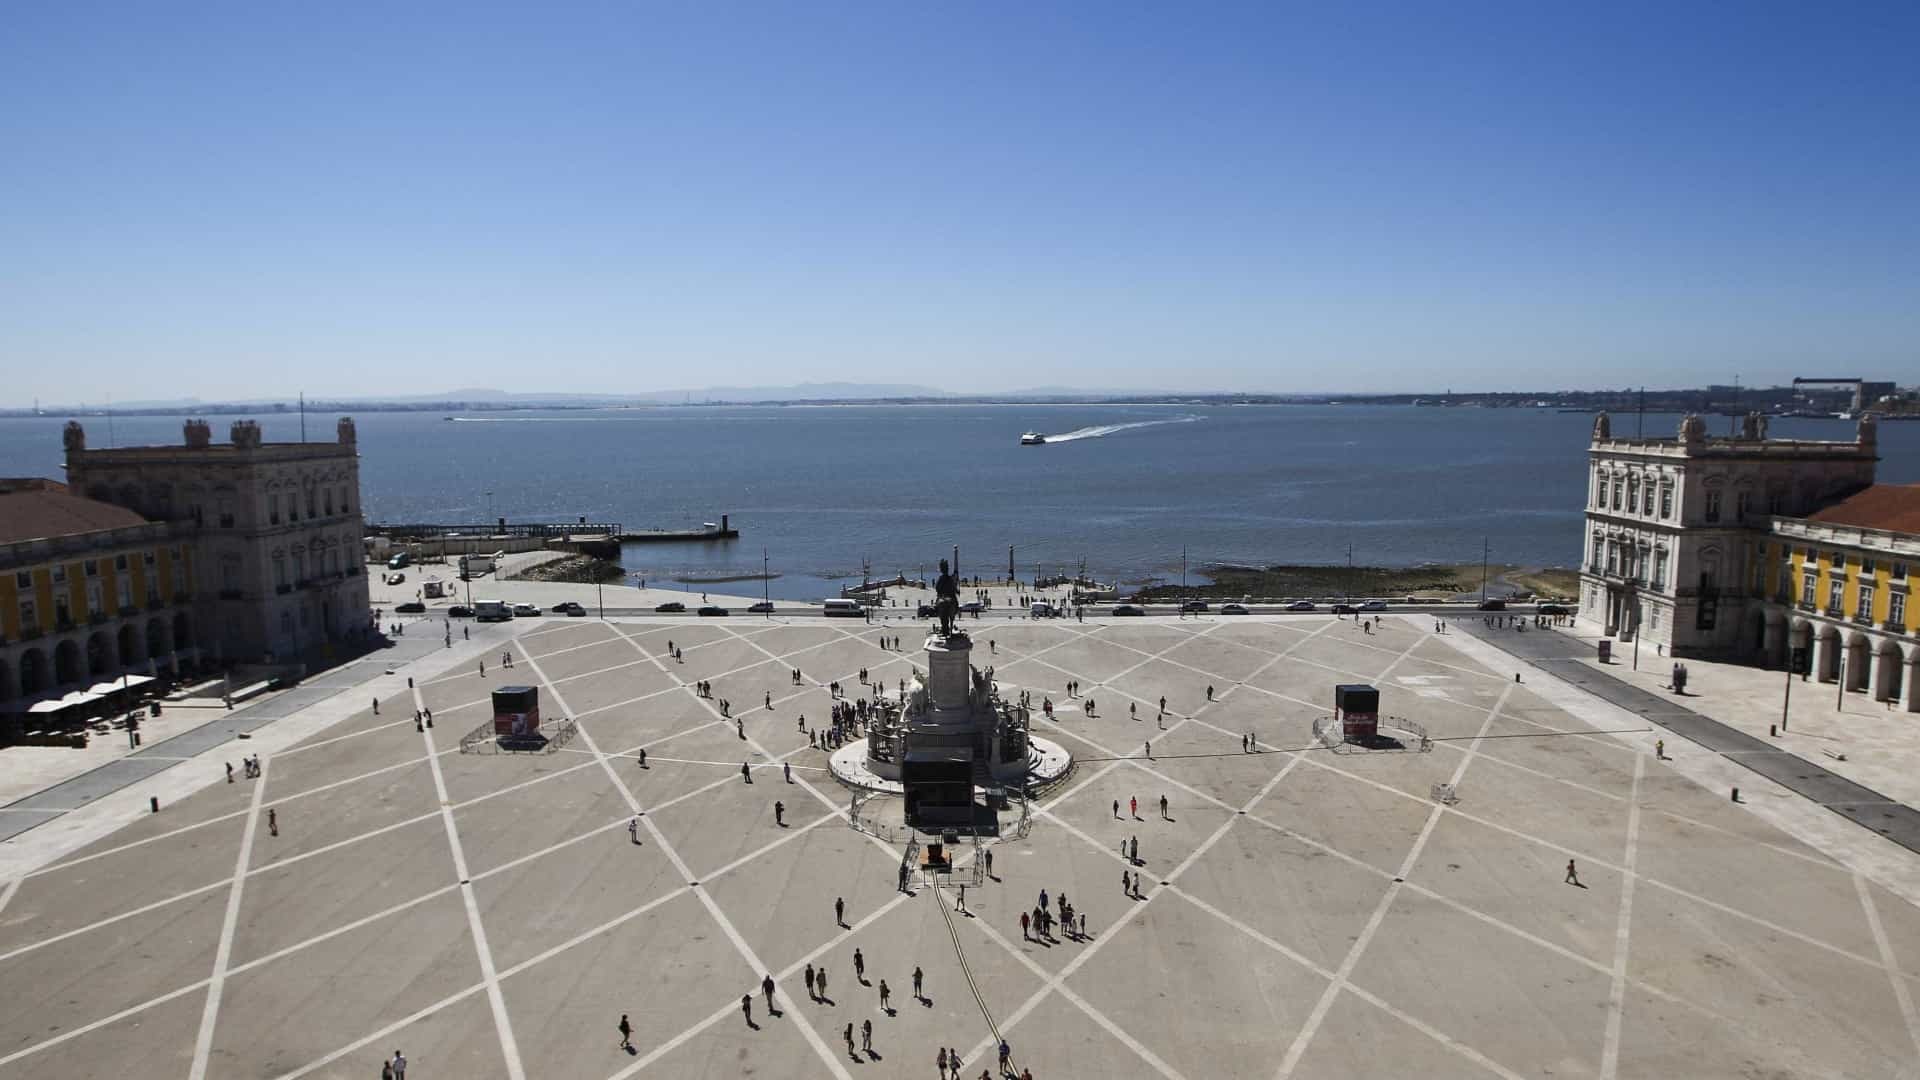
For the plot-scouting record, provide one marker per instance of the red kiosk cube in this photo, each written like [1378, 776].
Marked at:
[1357, 707]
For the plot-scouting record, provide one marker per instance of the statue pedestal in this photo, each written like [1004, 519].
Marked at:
[949, 672]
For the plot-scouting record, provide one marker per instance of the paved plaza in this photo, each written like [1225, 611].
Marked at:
[1301, 912]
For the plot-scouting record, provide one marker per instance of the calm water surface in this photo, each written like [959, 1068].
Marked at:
[822, 488]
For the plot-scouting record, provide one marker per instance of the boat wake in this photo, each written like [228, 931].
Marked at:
[1103, 430]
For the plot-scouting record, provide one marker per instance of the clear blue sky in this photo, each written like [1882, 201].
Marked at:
[251, 199]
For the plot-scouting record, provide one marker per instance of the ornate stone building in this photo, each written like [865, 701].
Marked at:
[275, 530]
[1676, 527]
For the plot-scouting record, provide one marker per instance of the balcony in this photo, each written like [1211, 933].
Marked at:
[62, 624]
[154, 603]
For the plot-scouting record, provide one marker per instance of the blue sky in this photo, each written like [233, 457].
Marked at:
[246, 199]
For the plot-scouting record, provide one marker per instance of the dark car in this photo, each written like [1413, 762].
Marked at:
[714, 609]
[573, 609]
[764, 607]
[1129, 609]
[1553, 609]
[460, 611]
[1194, 605]
[411, 607]
[925, 612]
[1233, 609]
[561, 607]
[1493, 605]
[671, 607]
[1344, 609]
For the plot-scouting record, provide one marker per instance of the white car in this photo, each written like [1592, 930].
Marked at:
[1300, 605]
[1374, 605]
[1233, 609]
[525, 610]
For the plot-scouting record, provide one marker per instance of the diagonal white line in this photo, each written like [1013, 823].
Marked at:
[1359, 947]
[1617, 997]
[1902, 993]
[719, 917]
[223, 953]
[509, 1046]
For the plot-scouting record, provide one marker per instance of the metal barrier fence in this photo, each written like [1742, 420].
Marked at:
[483, 740]
[1328, 733]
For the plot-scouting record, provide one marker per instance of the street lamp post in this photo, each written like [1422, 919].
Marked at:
[1486, 548]
[600, 594]
[766, 590]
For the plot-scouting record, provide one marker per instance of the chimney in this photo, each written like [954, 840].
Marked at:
[199, 435]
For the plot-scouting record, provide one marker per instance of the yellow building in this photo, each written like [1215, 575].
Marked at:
[1839, 604]
[88, 591]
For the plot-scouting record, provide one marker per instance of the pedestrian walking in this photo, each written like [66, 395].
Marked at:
[1659, 754]
[1573, 875]
[229, 772]
[376, 706]
[960, 901]
[1025, 933]
[766, 987]
[849, 1037]
[1116, 809]
[633, 830]
[786, 767]
[273, 823]
[990, 863]
[1133, 805]
[917, 996]
[626, 1033]
[643, 757]
[1163, 808]
[820, 977]
[1126, 883]
[746, 773]
[1148, 747]
[1083, 925]
[399, 1064]
[1006, 1055]
[746, 1008]
[866, 1035]
[779, 813]
[840, 910]
[885, 996]
[859, 966]
[809, 977]
[941, 1060]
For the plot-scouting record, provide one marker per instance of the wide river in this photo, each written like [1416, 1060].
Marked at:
[1125, 488]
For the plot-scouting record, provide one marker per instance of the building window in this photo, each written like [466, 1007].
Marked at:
[1613, 557]
[1835, 590]
[311, 502]
[92, 567]
[273, 511]
[279, 572]
[147, 557]
[1776, 502]
[1618, 484]
[1640, 562]
[1653, 619]
[1806, 590]
[29, 617]
[1866, 567]
[1840, 563]
[1713, 506]
[119, 562]
[179, 575]
[96, 600]
[1865, 611]
[345, 506]
[62, 612]
[329, 501]
[1633, 495]
[23, 579]
[1899, 571]
[1666, 500]
[1599, 547]
[1660, 568]
[1897, 609]
[1741, 502]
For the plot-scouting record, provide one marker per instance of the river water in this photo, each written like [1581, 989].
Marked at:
[1126, 488]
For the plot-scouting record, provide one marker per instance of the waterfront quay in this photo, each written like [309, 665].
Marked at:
[1300, 910]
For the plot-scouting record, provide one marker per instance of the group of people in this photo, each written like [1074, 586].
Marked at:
[250, 764]
[1038, 924]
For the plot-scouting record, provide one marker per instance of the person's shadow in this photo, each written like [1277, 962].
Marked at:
[875, 1055]
[633, 1051]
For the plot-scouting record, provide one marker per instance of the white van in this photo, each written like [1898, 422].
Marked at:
[849, 608]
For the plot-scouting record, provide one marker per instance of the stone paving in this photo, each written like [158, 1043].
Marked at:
[1302, 912]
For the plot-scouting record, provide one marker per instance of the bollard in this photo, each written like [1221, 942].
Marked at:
[1772, 732]
[409, 682]
[155, 803]
[1736, 794]
[1516, 676]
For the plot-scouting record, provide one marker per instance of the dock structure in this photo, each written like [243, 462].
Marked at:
[580, 530]
[721, 530]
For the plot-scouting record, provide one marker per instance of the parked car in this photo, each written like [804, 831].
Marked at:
[1553, 609]
[459, 611]
[573, 609]
[714, 609]
[1493, 605]
[411, 607]
[764, 607]
[561, 607]
[395, 579]
[973, 607]
[1300, 605]
[1194, 605]
[1233, 609]
[671, 607]
[925, 611]
[1344, 609]
[1374, 605]
[526, 610]
[1129, 609]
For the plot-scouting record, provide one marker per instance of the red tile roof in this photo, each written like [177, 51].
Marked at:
[1888, 507]
[37, 514]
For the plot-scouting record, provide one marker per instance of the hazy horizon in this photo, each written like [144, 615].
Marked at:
[235, 202]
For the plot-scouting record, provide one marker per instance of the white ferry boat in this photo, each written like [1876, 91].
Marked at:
[1033, 438]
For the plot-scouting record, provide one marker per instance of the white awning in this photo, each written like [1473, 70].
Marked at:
[68, 701]
[102, 689]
